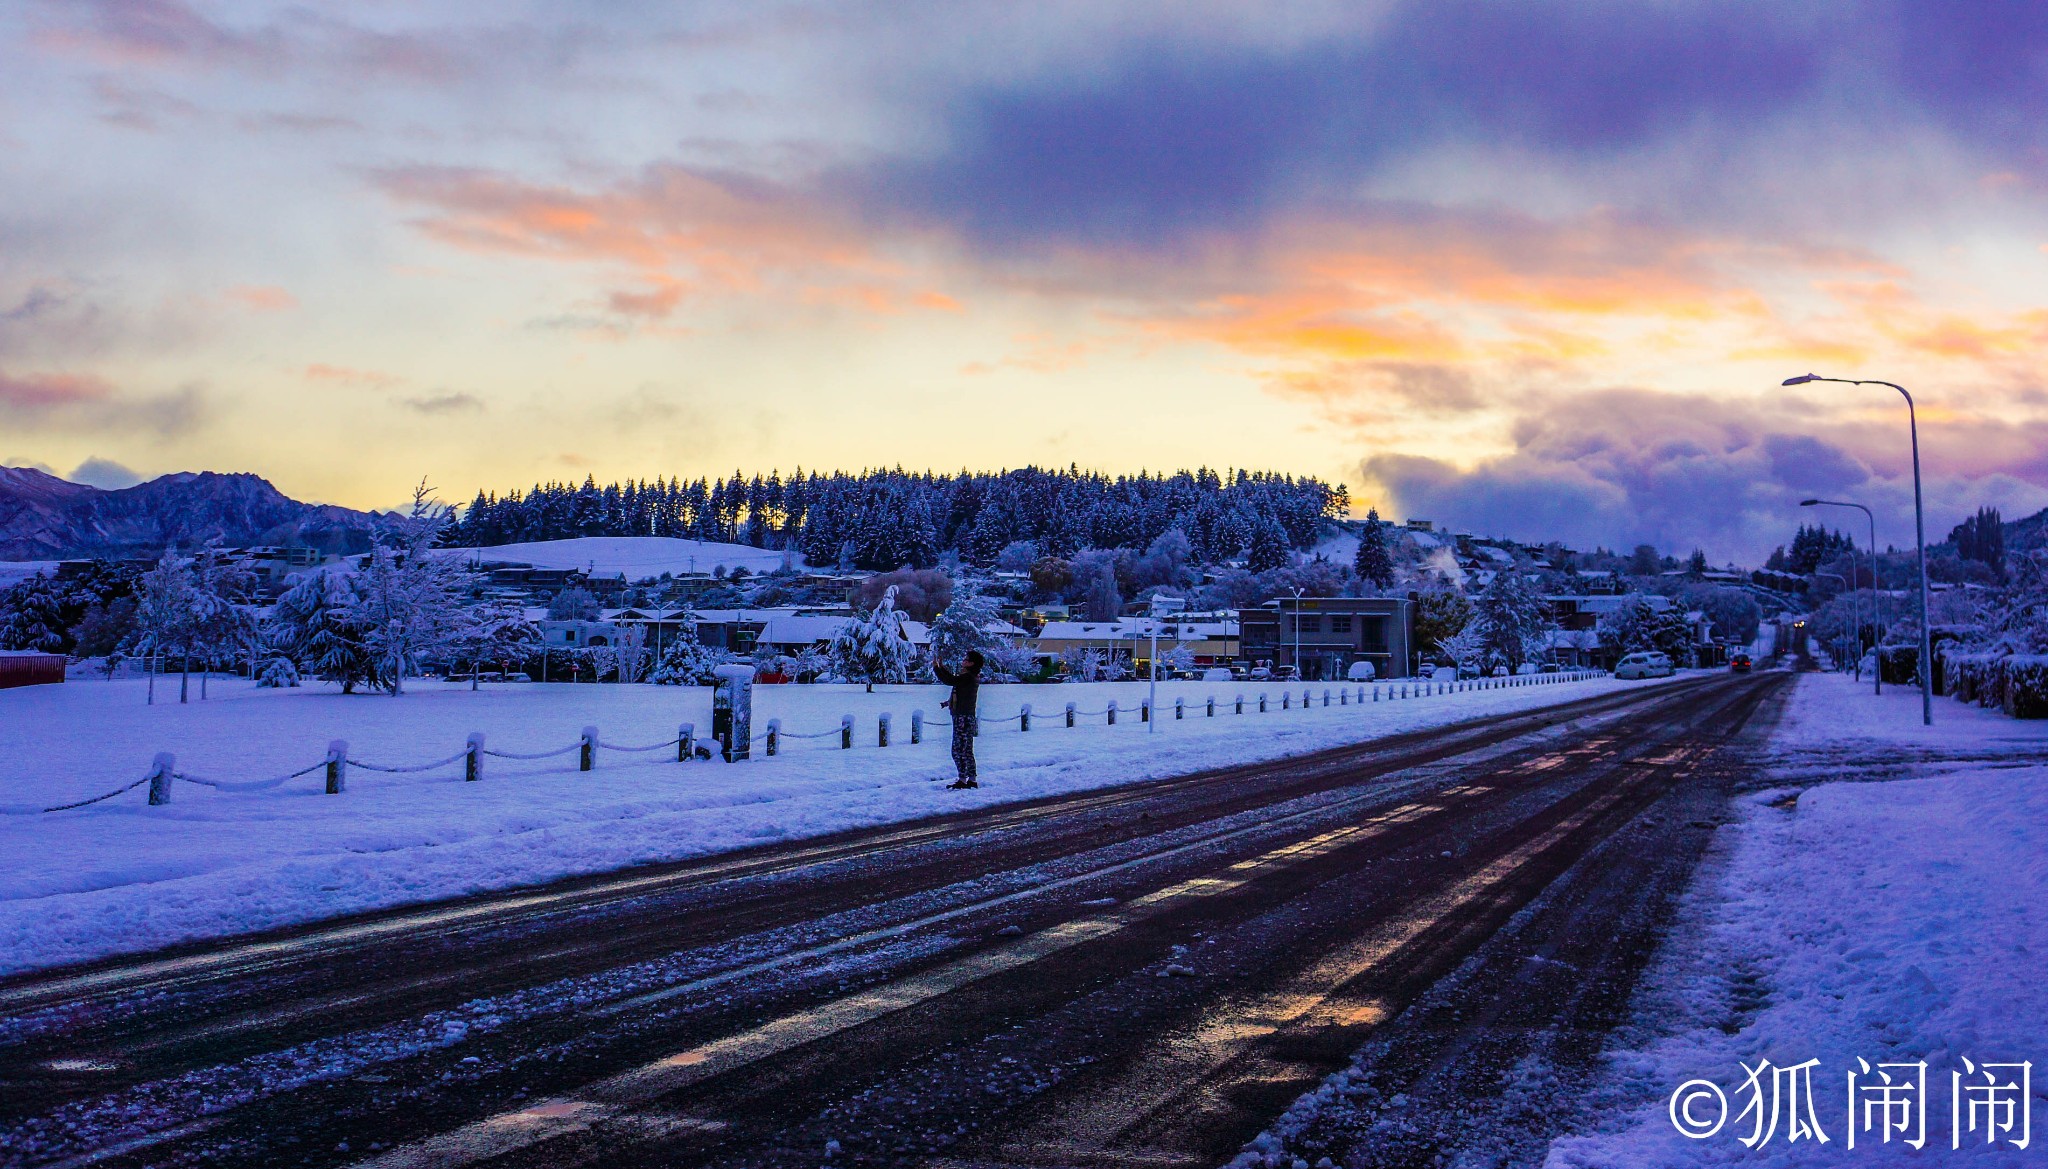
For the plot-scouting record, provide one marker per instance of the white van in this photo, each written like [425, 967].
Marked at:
[1359, 672]
[1648, 664]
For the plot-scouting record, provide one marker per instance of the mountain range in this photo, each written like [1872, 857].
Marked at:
[43, 517]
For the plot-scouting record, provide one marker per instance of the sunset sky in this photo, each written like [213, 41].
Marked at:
[1534, 270]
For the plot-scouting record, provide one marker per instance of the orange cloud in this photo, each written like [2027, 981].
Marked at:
[262, 298]
[38, 391]
[343, 375]
[678, 232]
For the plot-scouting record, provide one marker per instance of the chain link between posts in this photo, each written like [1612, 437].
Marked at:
[1408, 689]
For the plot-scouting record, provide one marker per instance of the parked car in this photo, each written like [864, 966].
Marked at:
[1216, 674]
[1740, 662]
[1550, 668]
[1262, 674]
[1649, 664]
[1500, 671]
[1359, 672]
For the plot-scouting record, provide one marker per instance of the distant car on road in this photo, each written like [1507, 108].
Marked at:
[1741, 663]
[1216, 674]
[1644, 665]
[1359, 672]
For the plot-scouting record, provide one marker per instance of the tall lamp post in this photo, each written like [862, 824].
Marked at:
[1876, 614]
[1919, 534]
[1297, 632]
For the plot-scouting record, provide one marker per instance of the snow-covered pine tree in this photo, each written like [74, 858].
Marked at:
[1511, 618]
[1372, 562]
[31, 616]
[1268, 547]
[689, 662]
[873, 647]
[315, 625]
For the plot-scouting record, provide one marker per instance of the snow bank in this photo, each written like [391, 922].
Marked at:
[634, 557]
[1893, 922]
[123, 876]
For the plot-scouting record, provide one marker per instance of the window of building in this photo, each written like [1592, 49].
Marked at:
[1340, 623]
[1373, 633]
[1308, 622]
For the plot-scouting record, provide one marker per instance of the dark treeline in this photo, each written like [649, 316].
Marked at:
[887, 519]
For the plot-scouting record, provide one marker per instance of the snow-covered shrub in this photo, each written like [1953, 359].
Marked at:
[1970, 675]
[2025, 687]
[690, 663]
[280, 674]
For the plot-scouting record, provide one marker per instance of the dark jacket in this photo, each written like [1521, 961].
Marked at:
[965, 684]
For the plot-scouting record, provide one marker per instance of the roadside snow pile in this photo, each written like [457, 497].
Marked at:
[633, 557]
[1890, 922]
[121, 875]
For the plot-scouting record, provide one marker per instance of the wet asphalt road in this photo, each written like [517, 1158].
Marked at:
[1144, 976]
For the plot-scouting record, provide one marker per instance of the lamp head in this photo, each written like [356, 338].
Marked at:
[1801, 380]
[1808, 502]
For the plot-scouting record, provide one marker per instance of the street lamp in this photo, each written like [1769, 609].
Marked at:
[1919, 534]
[1876, 614]
[1297, 631]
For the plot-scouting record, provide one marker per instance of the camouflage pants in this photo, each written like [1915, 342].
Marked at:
[964, 728]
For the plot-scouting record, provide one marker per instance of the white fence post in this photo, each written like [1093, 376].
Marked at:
[686, 741]
[586, 757]
[1180, 709]
[1024, 718]
[774, 735]
[916, 727]
[337, 766]
[1112, 712]
[846, 732]
[473, 757]
[1212, 707]
[882, 730]
[1070, 715]
[161, 771]
[1144, 710]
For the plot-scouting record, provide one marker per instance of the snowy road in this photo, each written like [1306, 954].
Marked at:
[1145, 975]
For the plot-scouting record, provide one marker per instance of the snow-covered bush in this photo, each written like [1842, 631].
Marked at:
[689, 662]
[1970, 676]
[280, 674]
[2025, 686]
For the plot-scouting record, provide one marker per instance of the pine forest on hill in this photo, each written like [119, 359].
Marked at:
[887, 519]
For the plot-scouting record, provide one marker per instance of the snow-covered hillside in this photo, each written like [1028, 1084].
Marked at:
[635, 557]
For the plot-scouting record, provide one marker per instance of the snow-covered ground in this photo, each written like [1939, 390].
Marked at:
[636, 557]
[125, 876]
[1893, 921]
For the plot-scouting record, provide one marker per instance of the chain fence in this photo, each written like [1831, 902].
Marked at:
[164, 771]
